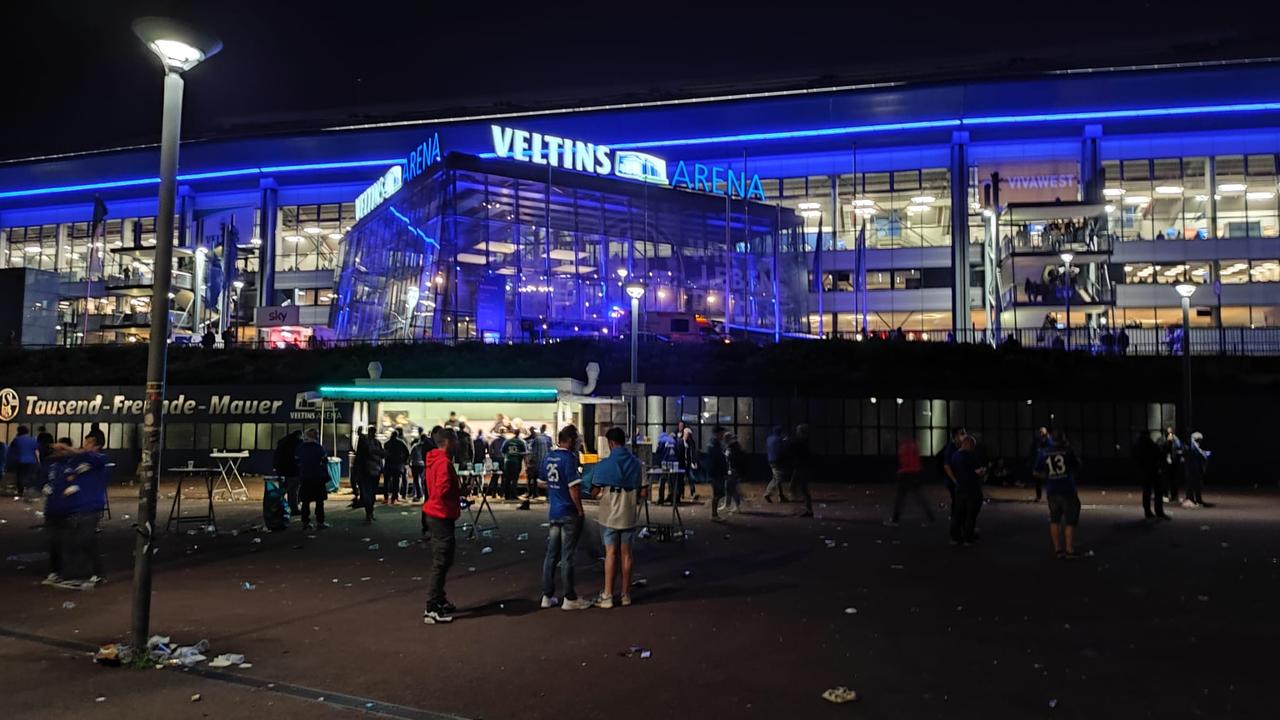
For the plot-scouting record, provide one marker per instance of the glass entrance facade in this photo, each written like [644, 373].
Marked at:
[488, 250]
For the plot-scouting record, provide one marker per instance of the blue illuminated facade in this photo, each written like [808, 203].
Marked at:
[943, 207]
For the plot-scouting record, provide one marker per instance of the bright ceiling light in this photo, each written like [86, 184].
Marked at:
[1260, 195]
[809, 206]
[864, 202]
[335, 236]
[1186, 290]
[1110, 208]
[1113, 192]
[1136, 200]
[31, 249]
[1232, 187]
[1168, 189]
[865, 211]
[923, 199]
[312, 230]
[293, 238]
[917, 208]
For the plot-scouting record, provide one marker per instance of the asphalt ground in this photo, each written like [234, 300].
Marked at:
[750, 619]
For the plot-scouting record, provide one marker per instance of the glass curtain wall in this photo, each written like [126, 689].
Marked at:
[522, 256]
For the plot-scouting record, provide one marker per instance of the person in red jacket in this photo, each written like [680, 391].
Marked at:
[441, 512]
[909, 481]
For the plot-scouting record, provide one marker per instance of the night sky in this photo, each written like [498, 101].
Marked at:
[75, 78]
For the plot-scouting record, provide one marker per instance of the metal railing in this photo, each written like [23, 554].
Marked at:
[1138, 341]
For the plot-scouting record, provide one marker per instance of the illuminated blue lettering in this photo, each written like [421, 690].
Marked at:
[501, 141]
[520, 146]
[422, 157]
[680, 178]
[716, 180]
[582, 155]
[738, 186]
[553, 150]
[604, 165]
[537, 156]
[700, 177]
[755, 190]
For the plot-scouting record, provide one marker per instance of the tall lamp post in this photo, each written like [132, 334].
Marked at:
[179, 48]
[1185, 291]
[1066, 261]
[635, 291]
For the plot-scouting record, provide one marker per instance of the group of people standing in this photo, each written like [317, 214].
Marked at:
[1165, 465]
[616, 481]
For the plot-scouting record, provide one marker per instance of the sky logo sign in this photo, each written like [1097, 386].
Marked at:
[640, 166]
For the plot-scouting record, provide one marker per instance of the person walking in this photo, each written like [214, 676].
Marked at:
[313, 476]
[566, 519]
[1058, 465]
[737, 461]
[717, 467]
[1147, 458]
[358, 463]
[663, 455]
[616, 483]
[1195, 460]
[370, 472]
[800, 460]
[966, 478]
[24, 458]
[441, 510]
[286, 466]
[773, 447]
[397, 457]
[1171, 463]
[909, 477]
[687, 457]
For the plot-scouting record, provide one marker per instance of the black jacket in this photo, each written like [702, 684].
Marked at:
[285, 460]
[397, 452]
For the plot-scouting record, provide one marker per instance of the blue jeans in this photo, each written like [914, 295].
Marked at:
[562, 543]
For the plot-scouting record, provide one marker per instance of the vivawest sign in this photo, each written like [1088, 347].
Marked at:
[593, 158]
[415, 163]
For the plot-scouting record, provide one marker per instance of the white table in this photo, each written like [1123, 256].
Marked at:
[229, 469]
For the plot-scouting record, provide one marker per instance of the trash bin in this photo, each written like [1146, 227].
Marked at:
[335, 476]
[275, 503]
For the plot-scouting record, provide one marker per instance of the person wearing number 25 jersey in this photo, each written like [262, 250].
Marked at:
[1057, 465]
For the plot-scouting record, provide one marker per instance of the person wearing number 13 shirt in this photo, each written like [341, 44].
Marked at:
[1057, 464]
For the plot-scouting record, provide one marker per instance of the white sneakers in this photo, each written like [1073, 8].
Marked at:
[549, 601]
[603, 602]
[578, 604]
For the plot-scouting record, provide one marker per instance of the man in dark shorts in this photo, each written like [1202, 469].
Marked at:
[1057, 465]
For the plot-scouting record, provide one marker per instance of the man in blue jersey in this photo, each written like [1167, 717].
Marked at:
[76, 495]
[1057, 465]
[564, 502]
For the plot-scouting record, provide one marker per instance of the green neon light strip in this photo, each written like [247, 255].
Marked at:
[447, 393]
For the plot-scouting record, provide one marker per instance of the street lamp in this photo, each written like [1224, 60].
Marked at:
[179, 48]
[1185, 291]
[1066, 261]
[635, 291]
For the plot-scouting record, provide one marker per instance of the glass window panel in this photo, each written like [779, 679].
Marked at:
[233, 436]
[248, 434]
